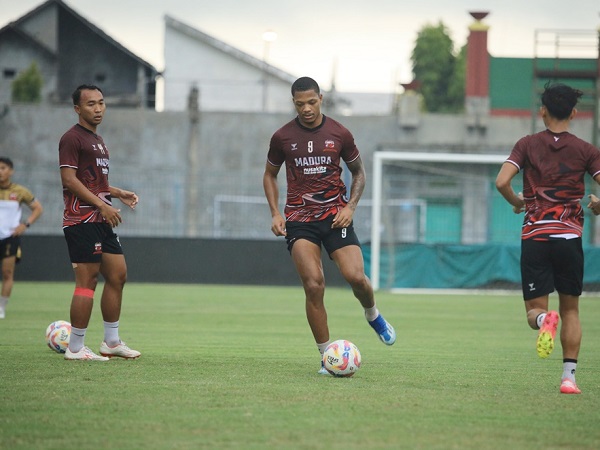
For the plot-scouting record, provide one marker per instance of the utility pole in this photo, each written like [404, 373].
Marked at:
[192, 166]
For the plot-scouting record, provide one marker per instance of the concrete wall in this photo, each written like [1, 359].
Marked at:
[151, 153]
[164, 157]
[205, 261]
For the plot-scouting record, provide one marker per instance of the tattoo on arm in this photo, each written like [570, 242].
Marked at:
[358, 182]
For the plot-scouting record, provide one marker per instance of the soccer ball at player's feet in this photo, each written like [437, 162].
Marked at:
[341, 358]
[57, 335]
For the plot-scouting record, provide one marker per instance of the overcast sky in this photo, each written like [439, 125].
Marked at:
[367, 41]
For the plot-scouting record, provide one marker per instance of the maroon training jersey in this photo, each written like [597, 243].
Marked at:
[85, 151]
[312, 157]
[554, 166]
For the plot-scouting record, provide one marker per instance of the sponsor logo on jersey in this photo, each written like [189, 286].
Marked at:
[103, 162]
[329, 146]
[313, 170]
[313, 164]
[100, 147]
[308, 161]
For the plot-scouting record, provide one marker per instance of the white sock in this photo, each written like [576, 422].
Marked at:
[569, 368]
[371, 313]
[77, 339]
[111, 333]
[323, 346]
[540, 319]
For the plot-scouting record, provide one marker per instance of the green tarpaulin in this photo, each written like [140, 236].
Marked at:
[458, 266]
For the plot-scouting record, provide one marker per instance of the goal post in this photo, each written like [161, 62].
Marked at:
[436, 162]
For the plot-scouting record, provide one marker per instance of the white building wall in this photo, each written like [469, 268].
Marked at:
[225, 82]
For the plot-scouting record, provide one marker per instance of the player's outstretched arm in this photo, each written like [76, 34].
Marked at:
[272, 195]
[127, 197]
[594, 204]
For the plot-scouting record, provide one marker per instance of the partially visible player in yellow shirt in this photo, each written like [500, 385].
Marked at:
[12, 197]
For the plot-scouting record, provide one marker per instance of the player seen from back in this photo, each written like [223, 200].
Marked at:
[317, 211]
[553, 163]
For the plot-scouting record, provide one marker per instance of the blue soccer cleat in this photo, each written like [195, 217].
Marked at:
[384, 330]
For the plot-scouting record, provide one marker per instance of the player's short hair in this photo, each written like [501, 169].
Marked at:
[303, 84]
[76, 96]
[560, 99]
[7, 161]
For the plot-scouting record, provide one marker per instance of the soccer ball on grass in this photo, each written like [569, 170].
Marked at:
[57, 335]
[341, 358]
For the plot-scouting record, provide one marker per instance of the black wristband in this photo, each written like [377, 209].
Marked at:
[27, 224]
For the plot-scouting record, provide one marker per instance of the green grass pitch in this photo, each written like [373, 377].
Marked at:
[235, 367]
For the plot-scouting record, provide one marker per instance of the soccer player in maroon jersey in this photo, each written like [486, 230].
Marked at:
[317, 211]
[553, 163]
[88, 221]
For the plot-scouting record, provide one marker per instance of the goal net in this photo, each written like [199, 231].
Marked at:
[423, 201]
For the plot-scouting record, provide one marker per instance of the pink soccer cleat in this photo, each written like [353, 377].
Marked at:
[545, 339]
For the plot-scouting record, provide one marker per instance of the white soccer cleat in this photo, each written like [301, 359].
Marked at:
[323, 370]
[2, 308]
[120, 350]
[85, 354]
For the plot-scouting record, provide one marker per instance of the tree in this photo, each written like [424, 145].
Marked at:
[27, 87]
[456, 89]
[438, 69]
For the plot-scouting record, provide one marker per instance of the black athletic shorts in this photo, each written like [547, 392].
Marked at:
[546, 265]
[11, 246]
[321, 233]
[87, 241]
